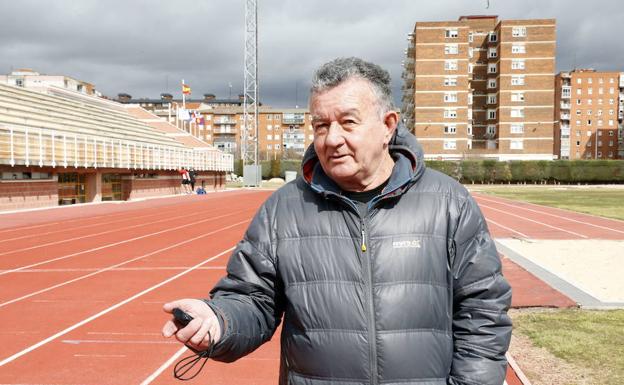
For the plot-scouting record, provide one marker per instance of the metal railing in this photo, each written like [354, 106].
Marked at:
[45, 147]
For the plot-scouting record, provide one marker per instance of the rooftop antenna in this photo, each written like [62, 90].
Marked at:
[487, 4]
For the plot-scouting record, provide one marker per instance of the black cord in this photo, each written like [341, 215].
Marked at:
[186, 364]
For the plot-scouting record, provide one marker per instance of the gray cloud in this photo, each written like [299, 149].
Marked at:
[146, 47]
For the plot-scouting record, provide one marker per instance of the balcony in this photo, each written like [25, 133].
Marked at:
[565, 116]
[225, 121]
[566, 92]
[224, 131]
[565, 132]
[293, 118]
[565, 105]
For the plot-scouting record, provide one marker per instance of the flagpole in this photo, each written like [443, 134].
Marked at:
[183, 96]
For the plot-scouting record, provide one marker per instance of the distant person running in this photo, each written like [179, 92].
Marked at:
[186, 180]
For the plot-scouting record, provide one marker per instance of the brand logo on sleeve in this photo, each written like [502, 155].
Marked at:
[413, 244]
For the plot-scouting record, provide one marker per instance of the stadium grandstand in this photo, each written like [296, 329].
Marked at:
[63, 147]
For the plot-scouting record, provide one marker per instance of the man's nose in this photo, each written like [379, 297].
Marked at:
[335, 135]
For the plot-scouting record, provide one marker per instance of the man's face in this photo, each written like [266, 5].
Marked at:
[350, 135]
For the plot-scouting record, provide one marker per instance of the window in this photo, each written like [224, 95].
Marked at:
[611, 90]
[518, 64]
[517, 113]
[451, 33]
[491, 83]
[518, 32]
[589, 101]
[590, 90]
[450, 97]
[600, 122]
[578, 143]
[450, 129]
[492, 52]
[578, 102]
[589, 122]
[610, 133]
[450, 81]
[610, 143]
[450, 114]
[491, 129]
[450, 144]
[450, 65]
[269, 146]
[600, 90]
[589, 112]
[579, 81]
[590, 81]
[610, 101]
[578, 122]
[470, 37]
[599, 112]
[269, 127]
[578, 112]
[517, 80]
[451, 49]
[516, 144]
[610, 122]
[517, 128]
[599, 133]
[493, 37]
[491, 114]
[611, 112]
[517, 96]
[518, 48]
[578, 91]
[269, 137]
[277, 136]
[277, 146]
[492, 68]
[611, 80]
[491, 99]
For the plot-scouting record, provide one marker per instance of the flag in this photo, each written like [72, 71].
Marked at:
[186, 89]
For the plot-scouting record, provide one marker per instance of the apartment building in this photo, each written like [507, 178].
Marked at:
[480, 87]
[282, 132]
[590, 111]
[33, 80]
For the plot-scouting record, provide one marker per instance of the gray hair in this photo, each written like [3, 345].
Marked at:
[335, 72]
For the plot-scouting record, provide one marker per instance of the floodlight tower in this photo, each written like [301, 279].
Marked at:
[249, 131]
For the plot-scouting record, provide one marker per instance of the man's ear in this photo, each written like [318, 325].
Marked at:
[391, 121]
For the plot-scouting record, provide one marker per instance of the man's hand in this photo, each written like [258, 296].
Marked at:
[196, 333]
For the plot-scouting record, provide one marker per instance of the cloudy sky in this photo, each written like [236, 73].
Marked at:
[145, 47]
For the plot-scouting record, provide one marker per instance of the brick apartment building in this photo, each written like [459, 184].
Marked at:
[590, 112]
[282, 132]
[480, 87]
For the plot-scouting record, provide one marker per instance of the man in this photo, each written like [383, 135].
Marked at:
[384, 271]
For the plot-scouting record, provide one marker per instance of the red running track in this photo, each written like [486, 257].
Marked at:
[507, 218]
[82, 287]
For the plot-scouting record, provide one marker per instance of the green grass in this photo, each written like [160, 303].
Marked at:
[589, 339]
[605, 202]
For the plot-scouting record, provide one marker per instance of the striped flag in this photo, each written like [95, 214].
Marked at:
[186, 89]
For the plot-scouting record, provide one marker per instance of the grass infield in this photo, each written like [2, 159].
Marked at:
[605, 202]
[592, 340]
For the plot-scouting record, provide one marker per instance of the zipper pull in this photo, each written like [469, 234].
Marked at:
[363, 242]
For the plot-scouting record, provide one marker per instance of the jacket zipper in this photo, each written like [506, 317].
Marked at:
[372, 334]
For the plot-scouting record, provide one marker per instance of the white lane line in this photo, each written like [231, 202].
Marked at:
[189, 240]
[66, 240]
[123, 334]
[122, 342]
[555, 215]
[108, 310]
[508, 228]
[114, 244]
[119, 269]
[81, 227]
[100, 355]
[539, 223]
[164, 366]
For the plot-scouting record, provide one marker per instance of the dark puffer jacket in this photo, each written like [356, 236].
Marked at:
[410, 294]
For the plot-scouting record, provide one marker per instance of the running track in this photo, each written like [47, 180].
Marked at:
[82, 287]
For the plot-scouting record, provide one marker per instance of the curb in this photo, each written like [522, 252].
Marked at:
[516, 368]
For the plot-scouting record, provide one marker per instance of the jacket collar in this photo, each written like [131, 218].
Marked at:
[408, 166]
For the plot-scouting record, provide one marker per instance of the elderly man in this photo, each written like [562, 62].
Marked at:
[383, 270]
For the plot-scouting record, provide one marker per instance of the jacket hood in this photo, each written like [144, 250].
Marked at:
[404, 149]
